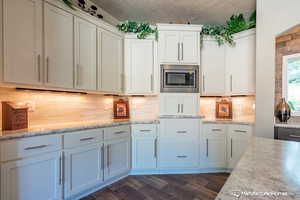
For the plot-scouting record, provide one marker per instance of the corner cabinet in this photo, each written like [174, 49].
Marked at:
[240, 64]
[22, 41]
[140, 66]
[213, 68]
[179, 44]
[110, 62]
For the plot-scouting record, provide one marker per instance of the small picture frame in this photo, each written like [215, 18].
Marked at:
[121, 109]
[224, 109]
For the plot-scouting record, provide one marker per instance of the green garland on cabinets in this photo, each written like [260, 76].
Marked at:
[142, 30]
[235, 24]
[69, 4]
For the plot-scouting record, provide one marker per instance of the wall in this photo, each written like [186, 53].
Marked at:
[243, 108]
[273, 18]
[286, 44]
[60, 108]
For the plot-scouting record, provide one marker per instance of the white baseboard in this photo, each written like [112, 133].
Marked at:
[179, 171]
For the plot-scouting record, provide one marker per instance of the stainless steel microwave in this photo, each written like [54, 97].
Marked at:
[179, 78]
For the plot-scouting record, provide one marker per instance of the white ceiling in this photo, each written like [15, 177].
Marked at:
[164, 11]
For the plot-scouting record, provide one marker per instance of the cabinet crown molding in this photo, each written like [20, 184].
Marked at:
[179, 27]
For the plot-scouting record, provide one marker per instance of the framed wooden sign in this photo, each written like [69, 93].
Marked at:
[224, 109]
[121, 109]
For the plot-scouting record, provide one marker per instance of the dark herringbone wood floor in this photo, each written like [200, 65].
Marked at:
[163, 187]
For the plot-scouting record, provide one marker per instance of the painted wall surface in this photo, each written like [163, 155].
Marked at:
[273, 18]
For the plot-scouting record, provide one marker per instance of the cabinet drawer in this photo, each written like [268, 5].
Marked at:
[214, 130]
[291, 134]
[21, 148]
[144, 130]
[242, 130]
[180, 128]
[116, 132]
[83, 137]
[178, 154]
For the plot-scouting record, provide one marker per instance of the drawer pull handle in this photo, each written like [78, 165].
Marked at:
[86, 139]
[119, 132]
[145, 130]
[36, 147]
[181, 132]
[216, 129]
[239, 131]
[181, 156]
[295, 136]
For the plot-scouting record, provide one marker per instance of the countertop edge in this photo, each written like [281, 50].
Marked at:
[54, 131]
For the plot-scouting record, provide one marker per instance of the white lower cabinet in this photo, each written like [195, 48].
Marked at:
[179, 143]
[33, 178]
[213, 146]
[237, 140]
[117, 157]
[83, 168]
[144, 147]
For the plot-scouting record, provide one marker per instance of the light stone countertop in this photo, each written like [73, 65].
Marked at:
[241, 121]
[268, 170]
[69, 127]
[85, 125]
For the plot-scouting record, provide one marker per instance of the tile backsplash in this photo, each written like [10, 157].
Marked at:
[54, 108]
[60, 108]
[242, 107]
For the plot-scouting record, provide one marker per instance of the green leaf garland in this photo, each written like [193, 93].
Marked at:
[143, 30]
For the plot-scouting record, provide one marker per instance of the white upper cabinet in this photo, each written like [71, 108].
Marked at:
[240, 64]
[190, 48]
[22, 40]
[179, 104]
[59, 58]
[110, 62]
[140, 63]
[85, 55]
[213, 68]
[169, 46]
[179, 44]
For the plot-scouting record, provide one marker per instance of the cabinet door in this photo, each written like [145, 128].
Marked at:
[85, 55]
[190, 104]
[240, 61]
[117, 157]
[139, 66]
[169, 47]
[213, 68]
[83, 168]
[170, 104]
[238, 138]
[190, 48]
[213, 146]
[144, 152]
[34, 178]
[110, 61]
[58, 47]
[22, 40]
